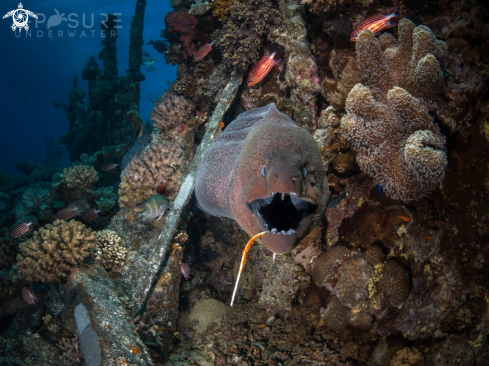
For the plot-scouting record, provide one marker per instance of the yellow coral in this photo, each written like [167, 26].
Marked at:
[54, 250]
[222, 7]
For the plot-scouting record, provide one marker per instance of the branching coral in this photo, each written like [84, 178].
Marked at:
[396, 140]
[241, 38]
[106, 198]
[54, 250]
[204, 68]
[186, 86]
[108, 249]
[72, 354]
[171, 111]
[79, 176]
[145, 173]
[222, 8]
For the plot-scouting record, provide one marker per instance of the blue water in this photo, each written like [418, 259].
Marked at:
[45, 68]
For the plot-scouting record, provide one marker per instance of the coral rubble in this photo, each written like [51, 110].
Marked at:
[54, 251]
[386, 120]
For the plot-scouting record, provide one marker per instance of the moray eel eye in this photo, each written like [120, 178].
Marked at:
[264, 171]
[282, 213]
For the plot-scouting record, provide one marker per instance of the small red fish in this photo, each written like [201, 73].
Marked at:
[261, 69]
[161, 189]
[427, 237]
[404, 218]
[376, 24]
[90, 215]
[29, 296]
[184, 268]
[20, 229]
[203, 51]
[67, 213]
[108, 166]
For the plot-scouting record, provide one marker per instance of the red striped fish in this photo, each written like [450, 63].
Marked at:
[203, 51]
[29, 296]
[66, 213]
[261, 69]
[376, 24]
[20, 229]
[185, 269]
[90, 215]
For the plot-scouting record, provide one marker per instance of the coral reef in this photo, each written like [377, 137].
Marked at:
[352, 282]
[340, 90]
[142, 176]
[204, 68]
[171, 111]
[468, 36]
[106, 198]
[396, 283]
[54, 250]
[72, 354]
[184, 24]
[386, 120]
[199, 8]
[79, 176]
[185, 87]
[241, 38]
[325, 265]
[222, 8]
[108, 250]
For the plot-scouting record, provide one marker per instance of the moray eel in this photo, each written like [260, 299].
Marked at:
[266, 173]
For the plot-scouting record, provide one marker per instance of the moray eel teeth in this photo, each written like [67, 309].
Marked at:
[282, 213]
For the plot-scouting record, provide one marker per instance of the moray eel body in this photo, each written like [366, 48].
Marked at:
[266, 173]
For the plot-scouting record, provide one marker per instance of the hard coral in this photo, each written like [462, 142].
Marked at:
[326, 264]
[396, 283]
[384, 120]
[54, 250]
[145, 173]
[222, 8]
[79, 176]
[171, 111]
[186, 86]
[241, 38]
[109, 251]
[352, 282]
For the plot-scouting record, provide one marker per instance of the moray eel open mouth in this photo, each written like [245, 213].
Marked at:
[282, 213]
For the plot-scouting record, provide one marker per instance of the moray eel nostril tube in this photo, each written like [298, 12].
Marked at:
[266, 173]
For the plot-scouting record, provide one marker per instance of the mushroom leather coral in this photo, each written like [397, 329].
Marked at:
[54, 251]
[390, 128]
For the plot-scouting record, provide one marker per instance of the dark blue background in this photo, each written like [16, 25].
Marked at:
[45, 68]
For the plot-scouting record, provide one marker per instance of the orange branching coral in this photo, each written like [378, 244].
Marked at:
[222, 8]
[79, 176]
[142, 176]
[54, 250]
[389, 126]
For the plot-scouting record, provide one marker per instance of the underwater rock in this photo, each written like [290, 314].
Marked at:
[261, 153]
